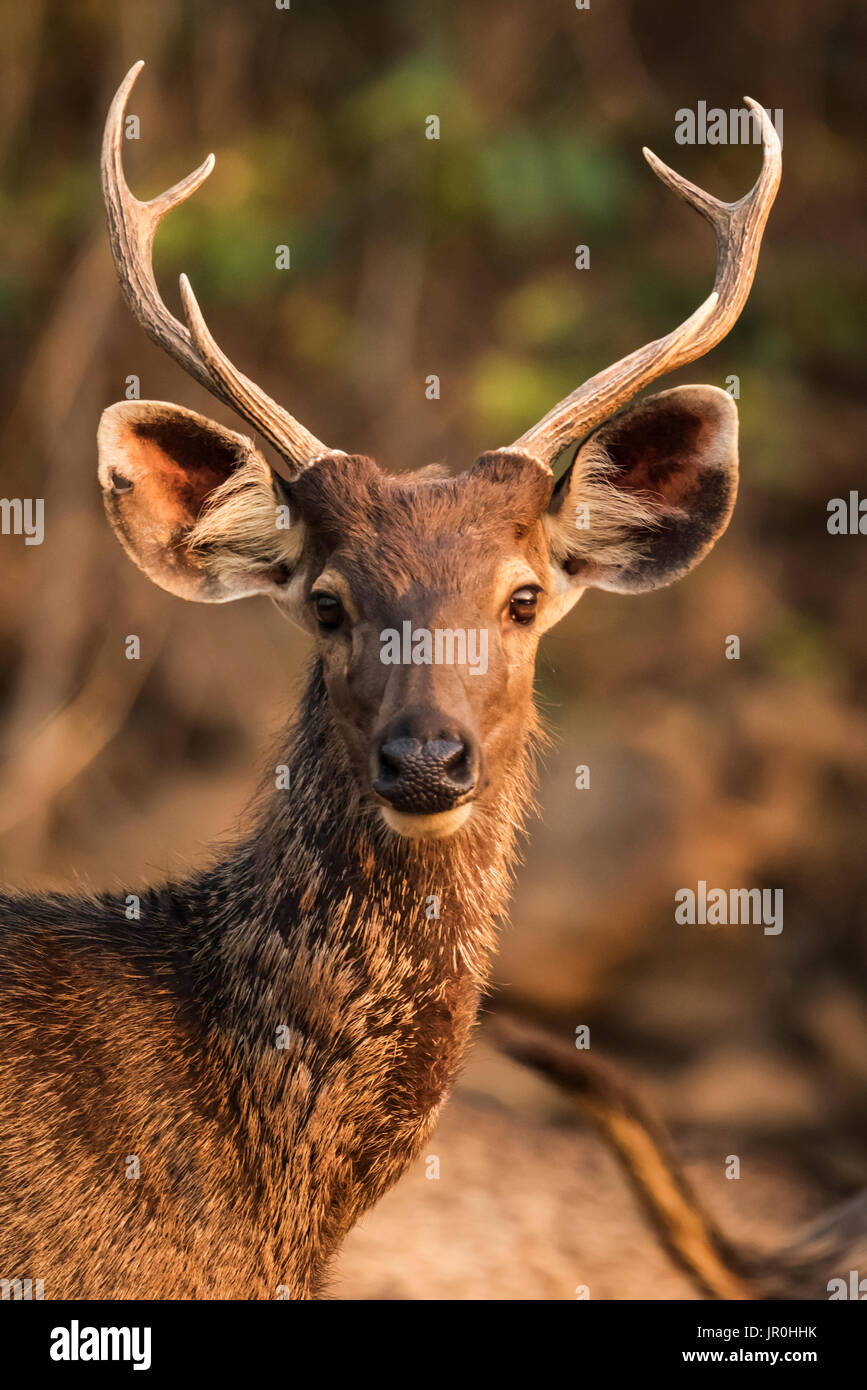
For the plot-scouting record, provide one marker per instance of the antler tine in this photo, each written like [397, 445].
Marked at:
[738, 228]
[132, 225]
[287, 434]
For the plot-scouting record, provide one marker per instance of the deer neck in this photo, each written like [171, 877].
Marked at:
[351, 964]
[321, 868]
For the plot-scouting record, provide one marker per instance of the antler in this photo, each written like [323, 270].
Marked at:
[132, 226]
[738, 227]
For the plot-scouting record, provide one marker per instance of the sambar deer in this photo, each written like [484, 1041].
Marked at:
[199, 1103]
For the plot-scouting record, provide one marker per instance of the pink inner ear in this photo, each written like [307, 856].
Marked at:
[176, 471]
[161, 468]
[658, 452]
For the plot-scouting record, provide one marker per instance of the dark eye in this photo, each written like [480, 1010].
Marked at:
[328, 610]
[522, 605]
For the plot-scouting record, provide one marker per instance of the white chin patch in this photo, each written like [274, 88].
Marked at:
[435, 827]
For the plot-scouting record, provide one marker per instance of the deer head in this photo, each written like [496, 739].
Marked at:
[426, 595]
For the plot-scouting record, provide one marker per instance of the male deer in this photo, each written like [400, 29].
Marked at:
[273, 1038]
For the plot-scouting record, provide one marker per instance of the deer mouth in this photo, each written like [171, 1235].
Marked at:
[425, 773]
[427, 826]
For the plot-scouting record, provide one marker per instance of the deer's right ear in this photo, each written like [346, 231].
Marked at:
[193, 504]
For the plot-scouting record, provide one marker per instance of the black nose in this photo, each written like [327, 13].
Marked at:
[422, 774]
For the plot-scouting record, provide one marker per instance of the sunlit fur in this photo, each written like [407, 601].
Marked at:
[199, 1099]
[157, 1039]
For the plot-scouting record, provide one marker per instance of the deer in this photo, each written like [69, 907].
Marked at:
[199, 1101]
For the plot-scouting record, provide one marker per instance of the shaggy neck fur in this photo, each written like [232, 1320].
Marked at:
[268, 1043]
[348, 964]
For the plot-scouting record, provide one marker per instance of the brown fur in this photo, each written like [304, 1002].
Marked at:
[153, 1039]
[156, 1037]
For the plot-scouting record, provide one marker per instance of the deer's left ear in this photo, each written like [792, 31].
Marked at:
[648, 493]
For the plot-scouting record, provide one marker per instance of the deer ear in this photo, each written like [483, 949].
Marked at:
[648, 493]
[193, 504]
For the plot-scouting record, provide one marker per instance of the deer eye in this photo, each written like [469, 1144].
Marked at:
[328, 610]
[522, 605]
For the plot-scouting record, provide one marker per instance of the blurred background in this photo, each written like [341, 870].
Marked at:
[412, 257]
